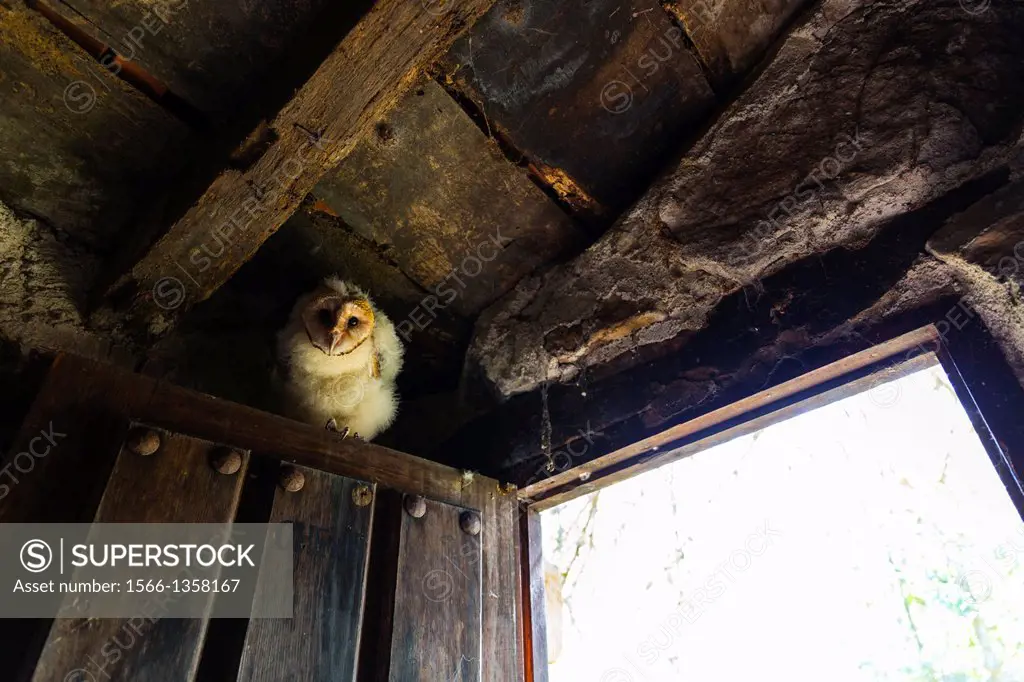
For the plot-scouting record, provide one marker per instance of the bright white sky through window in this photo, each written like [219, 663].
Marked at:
[867, 540]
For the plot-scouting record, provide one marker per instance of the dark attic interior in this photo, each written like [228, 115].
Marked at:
[579, 215]
[590, 222]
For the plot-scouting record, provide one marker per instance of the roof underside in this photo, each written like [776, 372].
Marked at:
[599, 184]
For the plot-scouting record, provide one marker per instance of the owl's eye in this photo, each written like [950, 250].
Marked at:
[353, 322]
[323, 316]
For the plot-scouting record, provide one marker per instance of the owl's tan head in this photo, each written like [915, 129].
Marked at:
[337, 322]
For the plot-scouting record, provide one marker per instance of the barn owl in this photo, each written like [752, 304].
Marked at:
[340, 357]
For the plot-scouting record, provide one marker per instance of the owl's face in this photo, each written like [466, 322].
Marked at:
[337, 324]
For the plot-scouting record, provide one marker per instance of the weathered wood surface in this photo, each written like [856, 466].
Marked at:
[731, 36]
[926, 338]
[381, 580]
[617, 469]
[843, 133]
[360, 81]
[796, 322]
[501, 608]
[75, 425]
[174, 485]
[437, 623]
[331, 536]
[701, 444]
[535, 632]
[502, 602]
[77, 421]
[177, 484]
[984, 247]
[98, 397]
[438, 197]
[989, 234]
[78, 147]
[595, 94]
[207, 53]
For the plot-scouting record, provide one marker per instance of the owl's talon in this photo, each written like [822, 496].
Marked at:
[332, 425]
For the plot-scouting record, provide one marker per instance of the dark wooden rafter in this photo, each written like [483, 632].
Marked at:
[79, 147]
[358, 83]
[911, 342]
[580, 93]
[777, 401]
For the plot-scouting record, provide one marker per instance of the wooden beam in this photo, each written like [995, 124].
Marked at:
[93, 403]
[907, 344]
[534, 607]
[86, 407]
[81, 148]
[628, 468]
[358, 83]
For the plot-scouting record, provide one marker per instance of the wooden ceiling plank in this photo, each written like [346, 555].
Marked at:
[596, 95]
[732, 37]
[358, 83]
[209, 53]
[79, 145]
[434, 192]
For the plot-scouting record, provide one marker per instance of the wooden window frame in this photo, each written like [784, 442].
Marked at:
[971, 360]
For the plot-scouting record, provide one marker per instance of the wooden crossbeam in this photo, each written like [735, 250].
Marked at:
[358, 83]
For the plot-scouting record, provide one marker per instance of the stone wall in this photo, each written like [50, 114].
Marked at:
[868, 112]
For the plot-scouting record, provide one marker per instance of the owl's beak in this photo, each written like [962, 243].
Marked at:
[336, 335]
